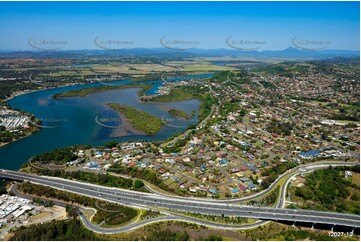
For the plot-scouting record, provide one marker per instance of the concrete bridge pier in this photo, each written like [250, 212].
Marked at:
[332, 227]
[313, 226]
[294, 224]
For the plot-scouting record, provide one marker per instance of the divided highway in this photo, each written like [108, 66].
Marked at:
[167, 216]
[147, 200]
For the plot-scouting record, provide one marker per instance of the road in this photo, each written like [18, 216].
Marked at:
[146, 200]
[308, 167]
[184, 134]
[131, 226]
[170, 217]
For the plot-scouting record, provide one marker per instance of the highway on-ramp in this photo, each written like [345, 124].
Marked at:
[166, 216]
[147, 200]
[294, 171]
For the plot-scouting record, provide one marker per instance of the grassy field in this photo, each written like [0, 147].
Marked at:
[208, 67]
[356, 178]
[171, 183]
[88, 213]
[40, 216]
[132, 68]
[139, 119]
[110, 214]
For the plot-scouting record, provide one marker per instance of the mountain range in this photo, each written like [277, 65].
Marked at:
[288, 53]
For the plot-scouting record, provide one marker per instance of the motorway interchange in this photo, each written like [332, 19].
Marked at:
[196, 205]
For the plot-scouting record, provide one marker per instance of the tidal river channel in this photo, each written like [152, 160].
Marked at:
[87, 120]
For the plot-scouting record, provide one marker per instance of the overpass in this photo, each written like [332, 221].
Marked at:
[181, 204]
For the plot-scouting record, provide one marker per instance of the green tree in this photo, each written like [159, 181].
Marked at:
[138, 184]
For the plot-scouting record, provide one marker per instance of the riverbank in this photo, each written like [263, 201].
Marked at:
[78, 116]
[91, 90]
[16, 94]
[7, 143]
[20, 93]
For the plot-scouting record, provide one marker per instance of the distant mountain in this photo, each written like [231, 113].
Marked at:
[288, 53]
[292, 52]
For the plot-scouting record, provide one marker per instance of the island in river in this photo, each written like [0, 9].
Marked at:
[140, 120]
[74, 120]
[181, 113]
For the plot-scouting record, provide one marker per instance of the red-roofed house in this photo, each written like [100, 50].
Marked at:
[242, 188]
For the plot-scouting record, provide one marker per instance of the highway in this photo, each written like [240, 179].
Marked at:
[166, 216]
[147, 200]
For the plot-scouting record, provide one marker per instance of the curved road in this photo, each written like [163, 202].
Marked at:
[263, 192]
[170, 217]
[146, 200]
[131, 226]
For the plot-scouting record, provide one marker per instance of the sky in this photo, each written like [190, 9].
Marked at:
[205, 24]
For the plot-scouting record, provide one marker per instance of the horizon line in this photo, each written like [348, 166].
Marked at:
[179, 50]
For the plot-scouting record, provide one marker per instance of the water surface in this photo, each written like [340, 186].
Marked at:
[71, 121]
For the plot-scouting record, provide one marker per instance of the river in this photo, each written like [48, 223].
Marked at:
[87, 120]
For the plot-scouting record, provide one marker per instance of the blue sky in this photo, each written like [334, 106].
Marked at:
[209, 23]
